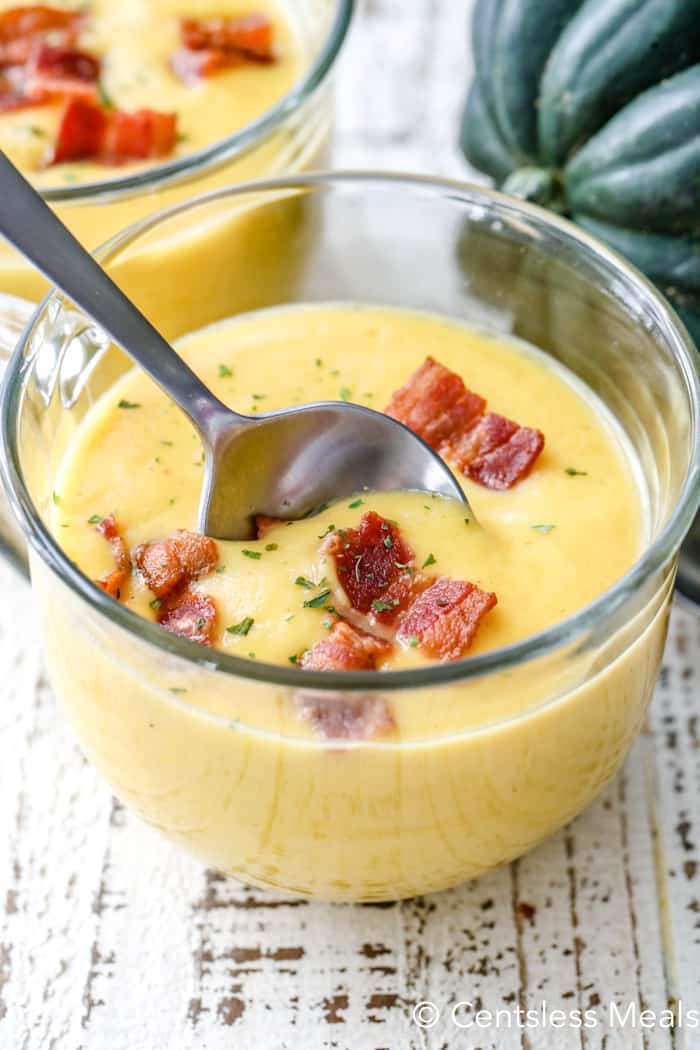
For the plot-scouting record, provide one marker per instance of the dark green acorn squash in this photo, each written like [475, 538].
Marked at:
[592, 108]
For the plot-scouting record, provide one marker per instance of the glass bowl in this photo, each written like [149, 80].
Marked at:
[292, 135]
[202, 744]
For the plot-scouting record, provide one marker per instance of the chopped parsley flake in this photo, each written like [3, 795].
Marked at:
[94, 519]
[271, 546]
[220, 569]
[430, 560]
[319, 600]
[542, 528]
[168, 444]
[155, 604]
[413, 641]
[379, 606]
[224, 372]
[105, 100]
[308, 585]
[388, 542]
[467, 521]
[174, 689]
[199, 624]
[355, 503]
[251, 554]
[56, 498]
[293, 659]
[241, 628]
[258, 397]
[345, 393]
[327, 624]
[128, 404]
[319, 363]
[573, 472]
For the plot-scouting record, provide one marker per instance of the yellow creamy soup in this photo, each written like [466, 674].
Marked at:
[546, 547]
[134, 40]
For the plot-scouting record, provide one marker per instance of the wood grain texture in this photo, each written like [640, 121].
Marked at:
[111, 940]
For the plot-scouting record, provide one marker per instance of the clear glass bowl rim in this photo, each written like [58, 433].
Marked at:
[655, 558]
[223, 150]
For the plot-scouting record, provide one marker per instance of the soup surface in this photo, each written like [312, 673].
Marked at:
[544, 547]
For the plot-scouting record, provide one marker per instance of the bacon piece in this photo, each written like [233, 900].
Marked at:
[189, 614]
[249, 34]
[168, 564]
[213, 44]
[486, 434]
[265, 525]
[486, 447]
[507, 464]
[435, 403]
[445, 617]
[373, 563]
[191, 66]
[340, 717]
[88, 131]
[80, 132]
[61, 71]
[345, 649]
[114, 581]
[22, 27]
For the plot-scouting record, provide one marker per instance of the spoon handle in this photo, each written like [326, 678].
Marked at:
[33, 228]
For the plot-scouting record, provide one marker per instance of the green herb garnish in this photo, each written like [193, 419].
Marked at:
[345, 393]
[94, 519]
[252, 554]
[355, 503]
[388, 542]
[155, 604]
[380, 606]
[413, 641]
[241, 628]
[572, 472]
[106, 101]
[319, 600]
[128, 404]
[430, 560]
[308, 585]
[542, 528]
[271, 546]
[224, 372]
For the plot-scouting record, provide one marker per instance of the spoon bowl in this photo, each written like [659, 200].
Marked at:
[281, 464]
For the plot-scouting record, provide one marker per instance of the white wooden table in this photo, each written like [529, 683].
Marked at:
[111, 940]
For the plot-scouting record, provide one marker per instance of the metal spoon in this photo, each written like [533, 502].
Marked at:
[283, 464]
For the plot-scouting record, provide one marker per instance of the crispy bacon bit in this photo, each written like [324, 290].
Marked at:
[212, 44]
[345, 649]
[30, 72]
[339, 717]
[80, 132]
[61, 71]
[22, 27]
[502, 467]
[488, 448]
[435, 403]
[189, 614]
[265, 525]
[373, 563]
[114, 581]
[446, 616]
[88, 131]
[168, 564]
[489, 431]
[251, 34]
